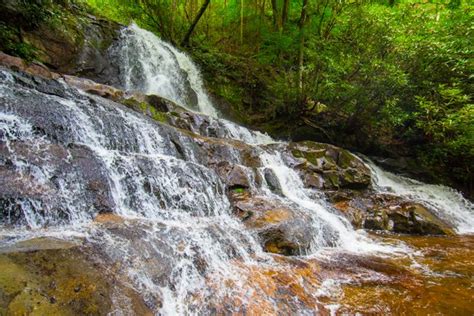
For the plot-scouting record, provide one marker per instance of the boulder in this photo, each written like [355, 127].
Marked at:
[281, 230]
[234, 176]
[272, 181]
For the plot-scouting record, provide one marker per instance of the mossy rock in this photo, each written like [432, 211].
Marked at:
[337, 167]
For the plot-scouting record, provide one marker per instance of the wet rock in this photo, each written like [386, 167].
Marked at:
[324, 166]
[446, 291]
[215, 151]
[92, 87]
[272, 181]
[281, 230]
[61, 279]
[234, 176]
[392, 214]
[33, 68]
[286, 288]
[40, 177]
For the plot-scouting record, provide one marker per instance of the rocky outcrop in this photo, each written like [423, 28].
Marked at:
[382, 212]
[324, 166]
[69, 40]
[335, 171]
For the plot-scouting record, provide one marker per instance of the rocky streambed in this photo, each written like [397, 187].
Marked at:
[120, 202]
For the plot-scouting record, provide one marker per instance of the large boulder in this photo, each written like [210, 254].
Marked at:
[281, 229]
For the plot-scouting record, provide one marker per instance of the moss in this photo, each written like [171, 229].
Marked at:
[331, 177]
[147, 109]
[311, 156]
[160, 117]
[11, 43]
[345, 159]
[238, 190]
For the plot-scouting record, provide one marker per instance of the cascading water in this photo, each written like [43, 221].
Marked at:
[152, 66]
[330, 229]
[159, 68]
[177, 204]
[75, 155]
[448, 204]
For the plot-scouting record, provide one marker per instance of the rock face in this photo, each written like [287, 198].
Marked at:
[76, 45]
[68, 168]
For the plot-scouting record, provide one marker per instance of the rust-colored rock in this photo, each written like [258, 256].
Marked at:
[281, 230]
[32, 68]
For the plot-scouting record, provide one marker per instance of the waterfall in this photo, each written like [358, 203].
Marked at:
[447, 203]
[153, 66]
[76, 155]
[64, 147]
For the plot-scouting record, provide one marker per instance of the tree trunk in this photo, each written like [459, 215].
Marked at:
[276, 15]
[284, 13]
[241, 22]
[301, 49]
[186, 38]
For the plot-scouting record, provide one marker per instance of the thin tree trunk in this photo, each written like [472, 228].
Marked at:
[276, 15]
[172, 30]
[284, 13]
[241, 22]
[301, 49]
[186, 38]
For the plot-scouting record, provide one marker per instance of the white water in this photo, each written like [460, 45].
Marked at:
[446, 202]
[153, 66]
[328, 226]
[178, 217]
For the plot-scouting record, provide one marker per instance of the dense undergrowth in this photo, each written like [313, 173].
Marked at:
[386, 78]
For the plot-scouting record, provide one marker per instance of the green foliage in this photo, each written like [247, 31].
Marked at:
[11, 44]
[385, 77]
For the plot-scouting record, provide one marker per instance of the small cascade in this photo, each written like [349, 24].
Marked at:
[152, 66]
[448, 203]
[330, 229]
